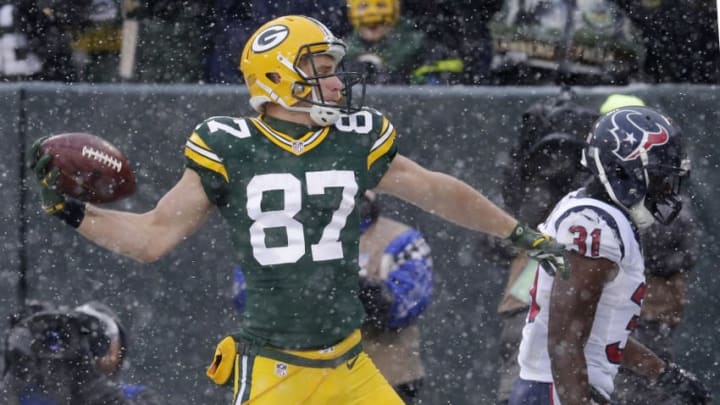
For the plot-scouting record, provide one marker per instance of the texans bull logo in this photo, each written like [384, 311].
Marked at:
[631, 138]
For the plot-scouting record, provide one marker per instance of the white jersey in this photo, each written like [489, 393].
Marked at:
[595, 229]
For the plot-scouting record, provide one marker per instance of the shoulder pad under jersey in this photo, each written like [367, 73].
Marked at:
[593, 231]
[208, 143]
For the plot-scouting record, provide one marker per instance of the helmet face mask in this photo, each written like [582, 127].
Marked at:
[311, 81]
[279, 66]
[638, 156]
[663, 197]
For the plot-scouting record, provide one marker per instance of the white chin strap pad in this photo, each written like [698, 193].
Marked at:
[324, 116]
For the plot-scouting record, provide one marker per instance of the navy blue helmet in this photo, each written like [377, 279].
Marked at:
[638, 155]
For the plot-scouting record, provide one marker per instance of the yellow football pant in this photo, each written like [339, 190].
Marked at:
[261, 380]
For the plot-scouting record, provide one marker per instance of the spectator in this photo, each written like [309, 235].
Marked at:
[395, 288]
[36, 41]
[171, 40]
[584, 42]
[577, 330]
[462, 27]
[680, 37]
[389, 49]
[96, 48]
[235, 20]
[59, 356]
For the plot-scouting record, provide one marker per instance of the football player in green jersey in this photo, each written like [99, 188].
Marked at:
[288, 183]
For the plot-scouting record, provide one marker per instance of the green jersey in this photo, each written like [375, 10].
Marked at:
[289, 195]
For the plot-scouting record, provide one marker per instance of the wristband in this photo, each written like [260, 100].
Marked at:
[516, 233]
[72, 212]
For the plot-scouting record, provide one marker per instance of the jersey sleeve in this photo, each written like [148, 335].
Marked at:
[203, 152]
[383, 148]
[592, 232]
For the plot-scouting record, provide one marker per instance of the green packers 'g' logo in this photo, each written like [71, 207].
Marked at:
[270, 38]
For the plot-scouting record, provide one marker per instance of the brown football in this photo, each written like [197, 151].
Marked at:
[91, 168]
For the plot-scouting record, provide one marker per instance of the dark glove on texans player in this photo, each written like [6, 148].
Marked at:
[70, 210]
[681, 383]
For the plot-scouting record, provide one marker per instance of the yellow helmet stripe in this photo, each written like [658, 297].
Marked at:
[197, 151]
[383, 144]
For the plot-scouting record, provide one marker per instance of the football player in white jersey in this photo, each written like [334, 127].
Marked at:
[576, 333]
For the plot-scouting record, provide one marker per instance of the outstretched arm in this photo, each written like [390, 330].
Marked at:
[455, 201]
[445, 196]
[149, 236]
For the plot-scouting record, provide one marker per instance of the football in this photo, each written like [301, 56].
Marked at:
[91, 168]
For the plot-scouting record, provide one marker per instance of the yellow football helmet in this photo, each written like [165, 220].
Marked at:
[373, 12]
[271, 63]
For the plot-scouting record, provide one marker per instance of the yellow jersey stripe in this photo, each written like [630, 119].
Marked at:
[295, 146]
[283, 137]
[195, 138]
[207, 163]
[382, 145]
[387, 128]
[201, 148]
[204, 157]
[385, 124]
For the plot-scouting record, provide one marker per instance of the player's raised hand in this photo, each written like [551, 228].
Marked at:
[53, 202]
[33, 155]
[543, 248]
[51, 199]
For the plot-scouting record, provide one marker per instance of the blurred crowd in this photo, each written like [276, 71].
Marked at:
[471, 42]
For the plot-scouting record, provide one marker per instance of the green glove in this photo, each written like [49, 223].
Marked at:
[52, 201]
[542, 248]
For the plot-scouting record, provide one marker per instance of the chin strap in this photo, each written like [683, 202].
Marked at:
[324, 116]
[640, 215]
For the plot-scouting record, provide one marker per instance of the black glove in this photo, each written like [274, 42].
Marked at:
[681, 383]
[377, 300]
[52, 201]
[542, 248]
